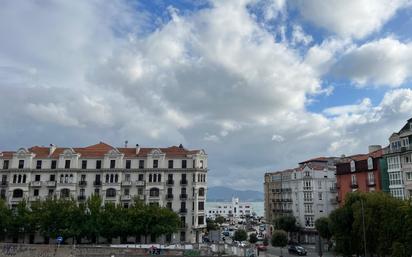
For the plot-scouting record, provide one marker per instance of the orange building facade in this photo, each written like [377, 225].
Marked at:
[358, 173]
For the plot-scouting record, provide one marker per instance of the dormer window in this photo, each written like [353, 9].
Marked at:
[352, 166]
[370, 163]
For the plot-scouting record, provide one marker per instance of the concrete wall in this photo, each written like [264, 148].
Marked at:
[26, 250]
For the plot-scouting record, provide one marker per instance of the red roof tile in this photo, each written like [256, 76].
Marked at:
[100, 149]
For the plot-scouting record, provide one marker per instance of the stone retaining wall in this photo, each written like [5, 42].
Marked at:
[31, 250]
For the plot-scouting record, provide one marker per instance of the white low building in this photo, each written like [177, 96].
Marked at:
[231, 210]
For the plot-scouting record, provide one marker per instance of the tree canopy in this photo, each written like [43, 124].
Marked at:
[279, 238]
[92, 219]
[387, 225]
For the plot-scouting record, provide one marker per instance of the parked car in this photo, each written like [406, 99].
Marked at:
[297, 249]
[261, 247]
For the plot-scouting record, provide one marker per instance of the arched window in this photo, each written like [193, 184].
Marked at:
[19, 180]
[116, 178]
[65, 193]
[15, 179]
[150, 177]
[154, 192]
[107, 178]
[17, 193]
[159, 177]
[201, 191]
[352, 166]
[111, 192]
[111, 178]
[370, 163]
[24, 178]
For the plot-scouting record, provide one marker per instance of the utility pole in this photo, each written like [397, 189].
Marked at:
[363, 224]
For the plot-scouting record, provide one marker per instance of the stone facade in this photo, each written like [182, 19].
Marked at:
[307, 192]
[172, 177]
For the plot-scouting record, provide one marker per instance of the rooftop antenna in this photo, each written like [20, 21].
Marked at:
[125, 143]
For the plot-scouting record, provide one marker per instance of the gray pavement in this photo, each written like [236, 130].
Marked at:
[275, 252]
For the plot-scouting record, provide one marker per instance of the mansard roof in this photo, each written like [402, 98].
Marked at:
[101, 149]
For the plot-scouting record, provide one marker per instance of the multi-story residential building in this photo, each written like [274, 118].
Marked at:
[361, 172]
[172, 177]
[307, 192]
[399, 162]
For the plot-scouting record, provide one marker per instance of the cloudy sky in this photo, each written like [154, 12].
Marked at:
[259, 84]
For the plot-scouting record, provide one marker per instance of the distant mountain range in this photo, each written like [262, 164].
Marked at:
[224, 194]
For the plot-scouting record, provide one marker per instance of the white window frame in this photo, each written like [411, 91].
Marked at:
[352, 166]
[370, 163]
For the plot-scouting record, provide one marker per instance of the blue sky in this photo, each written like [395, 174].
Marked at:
[259, 84]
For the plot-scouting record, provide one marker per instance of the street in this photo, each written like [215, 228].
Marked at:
[275, 251]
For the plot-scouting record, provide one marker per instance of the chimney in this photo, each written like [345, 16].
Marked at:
[125, 143]
[52, 148]
[181, 146]
[373, 148]
[137, 149]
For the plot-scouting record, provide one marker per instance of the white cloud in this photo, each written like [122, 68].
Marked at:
[386, 61]
[278, 138]
[212, 79]
[299, 36]
[349, 18]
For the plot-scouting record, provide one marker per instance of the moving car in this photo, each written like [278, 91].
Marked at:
[297, 249]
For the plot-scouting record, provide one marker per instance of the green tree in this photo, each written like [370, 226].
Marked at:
[253, 238]
[93, 221]
[108, 220]
[279, 239]
[398, 250]
[21, 221]
[220, 220]
[322, 226]
[240, 235]
[211, 224]
[286, 223]
[5, 219]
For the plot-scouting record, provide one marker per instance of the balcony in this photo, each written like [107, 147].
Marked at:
[3, 183]
[170, 182]
[140, 183]
[97, 183]
[169, 197]
[333, 190]
[83, 183]
[354, 185]
[371, 183]
[154, 196]
[183, 182]
[307, 188]
[126, 197]
[35, 184]
[183, 196]
[126, 183]
[81, 197]
[308, 199]
[183, 210]
[34, 198]
[51, 183]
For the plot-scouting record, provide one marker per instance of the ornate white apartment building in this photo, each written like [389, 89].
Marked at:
[307, 192]
[172, 177]
[399, 160]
